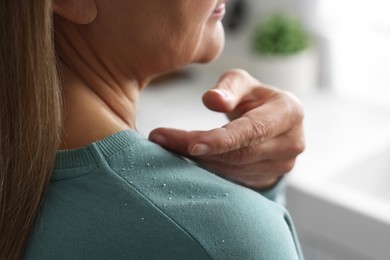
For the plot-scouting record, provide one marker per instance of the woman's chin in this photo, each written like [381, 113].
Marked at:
[212, 49]
[209, 57]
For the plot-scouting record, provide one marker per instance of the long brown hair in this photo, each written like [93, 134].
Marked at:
[29, 117]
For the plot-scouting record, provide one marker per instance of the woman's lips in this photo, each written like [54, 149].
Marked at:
[219, 12]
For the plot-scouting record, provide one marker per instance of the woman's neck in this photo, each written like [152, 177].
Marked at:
[94, 108]
[100, 90]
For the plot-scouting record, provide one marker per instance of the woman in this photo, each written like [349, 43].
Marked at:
[109, 193]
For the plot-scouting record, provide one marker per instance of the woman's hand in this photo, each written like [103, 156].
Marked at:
[261, 142]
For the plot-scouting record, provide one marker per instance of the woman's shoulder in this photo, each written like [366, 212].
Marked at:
[140, 200]
[228, 220]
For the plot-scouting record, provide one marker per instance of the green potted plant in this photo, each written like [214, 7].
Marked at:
[284, 54]
[280, 35]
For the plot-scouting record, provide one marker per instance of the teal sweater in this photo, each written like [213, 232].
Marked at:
[124, 197]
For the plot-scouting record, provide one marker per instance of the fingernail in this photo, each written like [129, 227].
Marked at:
[200, 149]
[158, 139]
[224, 94]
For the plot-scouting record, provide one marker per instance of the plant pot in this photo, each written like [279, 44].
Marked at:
[297, 73]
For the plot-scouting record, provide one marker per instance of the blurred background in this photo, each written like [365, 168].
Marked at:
[351, 39]
[335, 56]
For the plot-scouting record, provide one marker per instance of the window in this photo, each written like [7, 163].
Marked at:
[358, 34]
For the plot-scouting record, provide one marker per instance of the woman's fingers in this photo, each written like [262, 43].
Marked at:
[233, 87]
[261, 142]
[261, 174]
[275, 149]
[173, 139]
